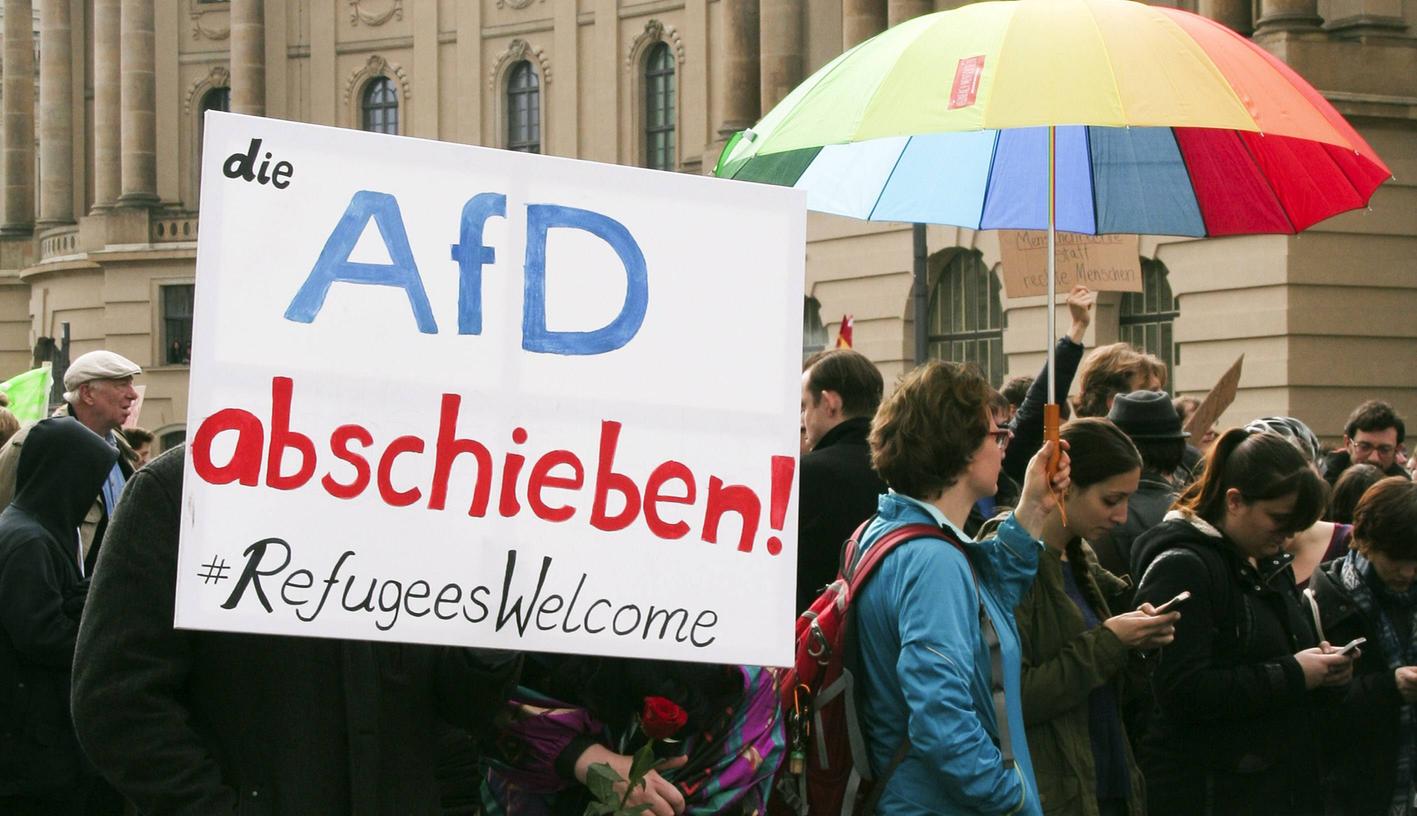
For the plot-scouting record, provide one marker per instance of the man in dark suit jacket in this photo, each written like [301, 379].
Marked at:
[837, 486]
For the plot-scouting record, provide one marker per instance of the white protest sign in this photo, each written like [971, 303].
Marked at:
[449, 394]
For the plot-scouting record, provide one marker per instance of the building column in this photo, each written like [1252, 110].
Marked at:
[248, 57]
[1233, 14]
[138, 160]
[740, 66]
[780, 59]
[56, 116]
[1288, 15]
[107, 119]
[19, 118]
[861, 20]
[898, 11]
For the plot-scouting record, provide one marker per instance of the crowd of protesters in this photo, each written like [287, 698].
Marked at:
[1133, 619]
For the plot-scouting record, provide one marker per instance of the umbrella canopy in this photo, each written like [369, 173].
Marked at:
[1166, 123]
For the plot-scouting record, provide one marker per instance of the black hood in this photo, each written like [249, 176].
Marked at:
[1169, 533]
[62, 467]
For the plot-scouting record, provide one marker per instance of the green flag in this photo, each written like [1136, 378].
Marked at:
[29, 393]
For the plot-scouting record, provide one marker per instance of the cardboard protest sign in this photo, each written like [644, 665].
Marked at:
[449, 394]
[1217, 400]
[1107, 263]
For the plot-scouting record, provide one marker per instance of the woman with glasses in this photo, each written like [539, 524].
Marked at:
[935, 621]
[1239, 692]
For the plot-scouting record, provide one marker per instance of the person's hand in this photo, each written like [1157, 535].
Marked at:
[1407, 683]
[1080, 301]
[1143, 629]
[662, 796]
[1324, 666]
[1039, 495]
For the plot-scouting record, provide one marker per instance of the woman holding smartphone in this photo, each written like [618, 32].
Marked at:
[1372, 593]
[1239, 691]
[1075, 650]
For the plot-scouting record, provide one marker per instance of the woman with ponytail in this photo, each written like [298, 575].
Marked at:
[1075, 650]
[1240, 691]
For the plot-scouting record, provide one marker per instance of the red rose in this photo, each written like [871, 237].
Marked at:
[662, 718]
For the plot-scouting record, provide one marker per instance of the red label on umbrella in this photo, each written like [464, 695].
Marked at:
[966, 86]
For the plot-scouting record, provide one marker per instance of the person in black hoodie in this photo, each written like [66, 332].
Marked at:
[837, 487]
[1234, 728]
[1372, 593]
[42, 589]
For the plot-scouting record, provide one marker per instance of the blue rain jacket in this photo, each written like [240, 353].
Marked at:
[925, 667]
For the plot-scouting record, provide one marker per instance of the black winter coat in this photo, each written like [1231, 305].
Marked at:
[1233, 729]
[838, 489]
[61, 469]
[196, 722]
[1363, 730]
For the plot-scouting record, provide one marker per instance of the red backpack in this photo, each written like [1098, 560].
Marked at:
[828, 770]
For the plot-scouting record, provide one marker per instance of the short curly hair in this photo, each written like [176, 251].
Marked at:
[1386, 519]
[925, 433]
[1375, 415]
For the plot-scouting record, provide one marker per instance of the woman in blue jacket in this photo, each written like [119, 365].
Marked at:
[925, 617]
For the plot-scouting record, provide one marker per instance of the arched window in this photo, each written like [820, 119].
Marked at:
[216, 99]
[814, 334]
[966, 319]
[659, 108]
[379, 107]
[523, 108]
[1146, 317]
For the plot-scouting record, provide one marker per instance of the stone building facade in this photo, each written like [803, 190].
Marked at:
[103, 103]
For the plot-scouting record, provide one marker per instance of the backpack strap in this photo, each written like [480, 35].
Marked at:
[859, 566]
[996, 682]
[868, 808]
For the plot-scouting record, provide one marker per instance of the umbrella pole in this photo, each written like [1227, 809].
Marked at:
[920, 293]
[1052, 274]
[1051, 413]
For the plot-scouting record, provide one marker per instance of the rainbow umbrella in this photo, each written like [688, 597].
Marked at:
[1091, 116]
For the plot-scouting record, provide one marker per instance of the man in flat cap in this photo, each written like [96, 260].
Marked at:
[98, 392]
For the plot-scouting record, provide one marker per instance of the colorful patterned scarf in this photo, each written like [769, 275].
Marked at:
[1377, 603]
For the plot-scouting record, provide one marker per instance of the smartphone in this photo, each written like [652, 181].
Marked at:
[1353, 644]
[1179, 599]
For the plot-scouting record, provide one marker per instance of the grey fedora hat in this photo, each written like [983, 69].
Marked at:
[1146, 415]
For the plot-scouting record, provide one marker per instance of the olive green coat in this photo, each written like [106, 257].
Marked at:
[1062, 663]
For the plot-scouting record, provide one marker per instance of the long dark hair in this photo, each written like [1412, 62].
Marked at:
[1261, 466]
[1098, 451]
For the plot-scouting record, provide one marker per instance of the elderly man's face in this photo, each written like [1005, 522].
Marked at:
[104, 405]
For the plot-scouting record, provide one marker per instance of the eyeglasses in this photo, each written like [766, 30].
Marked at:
[1368, 447]
[1002, 437]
